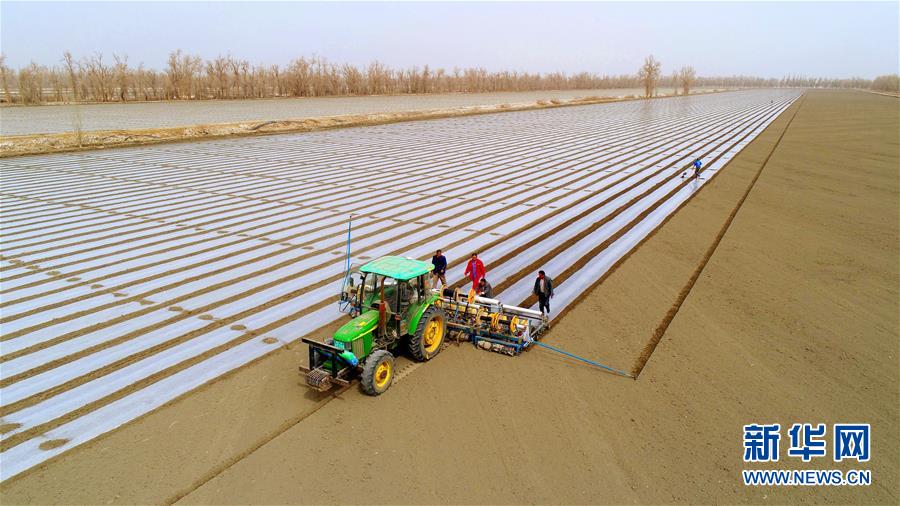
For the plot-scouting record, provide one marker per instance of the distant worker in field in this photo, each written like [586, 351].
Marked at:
[696, 168]
[439, 261]
[697, 165]
[475, 271]
[543, 288]
[485, 289]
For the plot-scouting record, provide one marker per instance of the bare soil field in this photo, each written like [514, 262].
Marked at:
[793, 319]
[130, 277]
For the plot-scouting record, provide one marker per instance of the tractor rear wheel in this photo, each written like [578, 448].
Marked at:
[378, 372]
[426, 342]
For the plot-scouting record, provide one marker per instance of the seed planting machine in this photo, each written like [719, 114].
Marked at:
[392, 310]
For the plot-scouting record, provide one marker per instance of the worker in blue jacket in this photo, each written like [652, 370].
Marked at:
[696, 166]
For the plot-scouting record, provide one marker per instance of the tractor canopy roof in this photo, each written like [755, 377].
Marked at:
[399, 268]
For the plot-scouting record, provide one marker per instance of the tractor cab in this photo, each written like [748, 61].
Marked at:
[390, 306]
[395, 284]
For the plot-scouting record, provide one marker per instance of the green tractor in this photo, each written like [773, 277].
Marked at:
[391, 309]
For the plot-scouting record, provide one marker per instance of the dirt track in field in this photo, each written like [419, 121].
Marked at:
[794, 319]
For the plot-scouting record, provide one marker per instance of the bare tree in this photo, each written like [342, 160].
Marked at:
[244, 79]
[298, 78]
[425, 85]
[56, 84]
[72, 74]
[151, 83]
[217, 71]
[100, 78]
[182, 71]
[378, 78]
[649, 74]
[236, 88]
[31, 86]
[686, 77]
[354, 80]
[4, 78]
[175, 75]
[122, 76]
[275, 76]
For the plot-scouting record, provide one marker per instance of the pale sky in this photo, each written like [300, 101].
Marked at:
[763, 39]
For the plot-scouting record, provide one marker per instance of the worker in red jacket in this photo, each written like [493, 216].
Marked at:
[475, 270]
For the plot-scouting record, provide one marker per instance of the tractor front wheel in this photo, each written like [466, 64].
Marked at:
[378, 372]
[429, 336]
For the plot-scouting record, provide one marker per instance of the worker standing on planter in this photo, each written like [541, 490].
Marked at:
[543, 288]
[439, 261]
[475, 271]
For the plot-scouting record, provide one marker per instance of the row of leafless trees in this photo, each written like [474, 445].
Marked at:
[186, 77]
[651, 78]
[889, 83]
